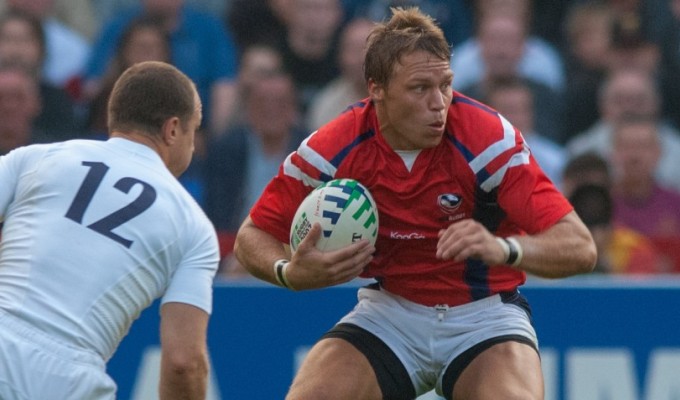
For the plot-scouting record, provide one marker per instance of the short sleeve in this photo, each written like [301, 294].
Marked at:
[192, 282]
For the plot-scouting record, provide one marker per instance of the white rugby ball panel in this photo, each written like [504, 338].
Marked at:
[345, 210]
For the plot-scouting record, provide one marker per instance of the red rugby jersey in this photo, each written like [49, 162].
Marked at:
[482, 169]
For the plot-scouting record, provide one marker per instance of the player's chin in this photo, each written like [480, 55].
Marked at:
[431, 140]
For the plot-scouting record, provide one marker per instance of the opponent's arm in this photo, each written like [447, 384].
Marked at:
[309, 268]
[564, 249]
[184, 354]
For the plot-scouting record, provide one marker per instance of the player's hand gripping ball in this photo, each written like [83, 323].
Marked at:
[344, 208]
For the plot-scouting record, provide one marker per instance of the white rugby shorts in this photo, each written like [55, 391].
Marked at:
[34, 365]
[428, 340]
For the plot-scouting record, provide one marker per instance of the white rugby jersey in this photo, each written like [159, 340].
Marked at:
[93, 233]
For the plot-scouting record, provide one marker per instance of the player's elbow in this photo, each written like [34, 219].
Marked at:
[579, 246]
[587, 253]
[583, 257]
[186, 366]
[184, 376]
[587, 260]
[240, 245]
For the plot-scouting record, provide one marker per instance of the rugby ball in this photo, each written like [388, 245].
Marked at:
[345, 210]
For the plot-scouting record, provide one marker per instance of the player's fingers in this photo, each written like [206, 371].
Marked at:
[352, 261]
[354, 267]
[362, 259]
[346, 253]
[312, 237]
[445, 244]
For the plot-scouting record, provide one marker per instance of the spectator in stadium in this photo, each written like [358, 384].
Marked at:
[258, 61]
[106, 9]
[548, 19]
[446, 266]
[631, 92]
[19, 108]
[514, 99]
[242, 162]
[200, 47]
[588, 47]
[588, 168]
[155, 242]
[501, 38]
[349, 87]
[22, 45]
[310, 45]
[511, 42]
[620, 249]
[66, 50]
[670, 62]
[144, 39]
[77, 15]
[636, 16]
[630, 46]
[639, 200]
[453, 16]
[254, 22]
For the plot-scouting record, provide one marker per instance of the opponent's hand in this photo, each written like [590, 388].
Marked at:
[469, 239]
[311, 268]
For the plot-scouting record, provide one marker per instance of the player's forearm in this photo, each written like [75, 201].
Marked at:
[257, 250]
[565, 249]
[184, 381]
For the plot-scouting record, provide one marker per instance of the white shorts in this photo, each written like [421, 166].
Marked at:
[35, 366]
[432, 345]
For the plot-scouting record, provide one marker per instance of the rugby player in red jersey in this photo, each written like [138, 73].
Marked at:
[465, 213]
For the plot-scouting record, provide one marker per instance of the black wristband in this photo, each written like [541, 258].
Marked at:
[513, 253]
[279, 270]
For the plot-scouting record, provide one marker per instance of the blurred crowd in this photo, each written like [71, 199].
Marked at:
[592, 85]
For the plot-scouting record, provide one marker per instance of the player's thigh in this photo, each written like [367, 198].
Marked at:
[335, 370]
[508, 370]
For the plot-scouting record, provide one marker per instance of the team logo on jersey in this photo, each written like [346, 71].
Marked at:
[449, 202]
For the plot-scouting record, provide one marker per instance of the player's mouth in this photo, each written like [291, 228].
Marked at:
[438, 126]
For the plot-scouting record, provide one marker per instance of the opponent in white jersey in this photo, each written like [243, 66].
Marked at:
[93, 233]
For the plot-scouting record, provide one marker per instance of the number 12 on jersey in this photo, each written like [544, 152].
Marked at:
[108, 223]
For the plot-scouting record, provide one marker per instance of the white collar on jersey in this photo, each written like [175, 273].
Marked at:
[409, 157]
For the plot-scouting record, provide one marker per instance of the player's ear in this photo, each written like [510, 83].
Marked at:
[375, 90]
[171, 130]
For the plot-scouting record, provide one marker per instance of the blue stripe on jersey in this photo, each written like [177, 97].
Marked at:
[345, 151]
[360, 104]
[479, 162]
[482, 175]
[488, 213]
[486, 209]
[461, 99]
[476, 277]
[326, 168]
[325, 178]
